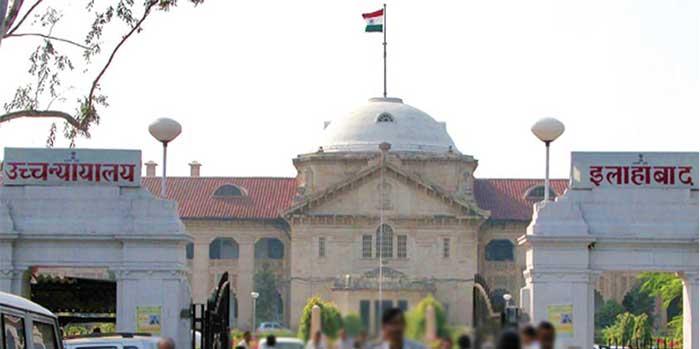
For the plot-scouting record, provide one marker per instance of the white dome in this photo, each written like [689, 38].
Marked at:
[387, 120]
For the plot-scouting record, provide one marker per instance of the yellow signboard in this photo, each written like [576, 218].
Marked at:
[148, 319]
[562, 317]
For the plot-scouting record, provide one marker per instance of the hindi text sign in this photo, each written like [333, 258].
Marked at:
[634, 170]
[40, 166]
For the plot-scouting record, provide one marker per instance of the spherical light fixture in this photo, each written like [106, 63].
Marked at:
[164, 130]
[547, 130]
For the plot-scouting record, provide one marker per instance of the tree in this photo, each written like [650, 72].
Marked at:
[56, 55]
[637, 301]
[629, 328]
[331, 320]
[669, 288]
[415, 319]
[608, 312]
[353, 325]
[266, 282]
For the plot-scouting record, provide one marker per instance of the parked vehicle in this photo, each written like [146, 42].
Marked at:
[283, 343]
[270, 327]
[22, 319]
[112, 341]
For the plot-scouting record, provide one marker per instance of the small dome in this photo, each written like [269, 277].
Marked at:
[387, 120]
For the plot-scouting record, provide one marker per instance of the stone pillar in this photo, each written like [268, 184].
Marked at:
[691, 320]
[15, 281]
[200, 272]
[316, 325]
[570, 287]
[430, 324]
[167, 289]
[246, 271]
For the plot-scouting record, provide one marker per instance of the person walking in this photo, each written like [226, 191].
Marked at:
[546, 335]
[509, 340]
[464, 342]
[344, 341]
[528, 335]
[245, 342]
[393, 331]
[166, 343]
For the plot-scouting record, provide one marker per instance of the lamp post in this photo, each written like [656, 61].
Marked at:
[164, 130]
[547, 130]
[511, 313]
[384, 147]
[255, 296]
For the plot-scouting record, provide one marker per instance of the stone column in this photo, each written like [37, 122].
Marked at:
[200, 272]
[166, 289]
[244, 283]
[691, 320]
[16, 281]
[570, 287]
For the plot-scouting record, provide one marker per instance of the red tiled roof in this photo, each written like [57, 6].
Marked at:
[265, 197]
[505, 198]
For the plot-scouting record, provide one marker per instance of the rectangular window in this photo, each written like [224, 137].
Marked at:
[366, 246]
[446, 248]
[365, 313]
[401, 242]
[14, 332]
[43, 335]
[403, 305]
[321, 247]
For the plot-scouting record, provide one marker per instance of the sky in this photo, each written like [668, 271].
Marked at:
[252, 82]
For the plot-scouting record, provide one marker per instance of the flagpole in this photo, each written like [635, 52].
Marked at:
[384, 44]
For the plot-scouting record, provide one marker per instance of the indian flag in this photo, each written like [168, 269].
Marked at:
[375, 21]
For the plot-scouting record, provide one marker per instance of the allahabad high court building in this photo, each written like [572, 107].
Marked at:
[444, 227]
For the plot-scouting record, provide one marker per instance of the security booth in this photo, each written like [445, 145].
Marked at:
[83, 209]
[623, 212]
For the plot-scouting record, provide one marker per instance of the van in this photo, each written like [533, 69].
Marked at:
[27, 325]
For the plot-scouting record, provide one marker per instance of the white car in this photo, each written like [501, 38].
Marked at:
[270, 326]
[111, 341]
[282, 343]
[27, 324]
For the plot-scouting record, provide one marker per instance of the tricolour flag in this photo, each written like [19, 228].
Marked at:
[375, 21]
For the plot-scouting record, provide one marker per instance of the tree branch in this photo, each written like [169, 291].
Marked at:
[13, 12]
[136, 27]
[40, 114]
[26, 15]
[50, 38]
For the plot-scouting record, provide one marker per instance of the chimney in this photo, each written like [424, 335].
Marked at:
[151, 168]
[194, 168]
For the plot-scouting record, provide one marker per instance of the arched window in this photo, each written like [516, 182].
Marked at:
[269, 248]
[223, 248]
[385, 117]
[228, 190]
[536, 193]
[500, 250]
[385, 241]
[189, 250]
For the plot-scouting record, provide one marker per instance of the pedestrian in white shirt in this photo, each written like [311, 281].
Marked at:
[393, 330]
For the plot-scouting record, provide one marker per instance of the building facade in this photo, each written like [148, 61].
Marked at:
[417, 204]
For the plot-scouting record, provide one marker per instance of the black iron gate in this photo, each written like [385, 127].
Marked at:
[211, 320]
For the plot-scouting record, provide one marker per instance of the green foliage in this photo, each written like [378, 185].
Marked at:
[353, 325]
[675, 328]
[628, 328]
[331, 320]
[415, 319]
[637, 302]
[265, 281]
[608, 312]
[82, 329]
[665, 285]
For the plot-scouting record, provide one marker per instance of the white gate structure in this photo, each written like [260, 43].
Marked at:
[80, 208]
[622, 212]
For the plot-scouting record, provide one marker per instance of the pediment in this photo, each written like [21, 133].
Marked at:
[405, 196]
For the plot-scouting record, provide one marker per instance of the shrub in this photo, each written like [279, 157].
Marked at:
[415, 319]
[331, 320]
[353, 325]
[629, 328]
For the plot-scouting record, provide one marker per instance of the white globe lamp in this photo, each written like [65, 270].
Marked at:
[164, 130]
[547, 130]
